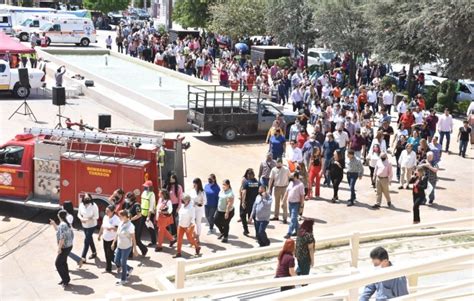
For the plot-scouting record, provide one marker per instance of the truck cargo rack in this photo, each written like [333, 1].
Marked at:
[211, 98]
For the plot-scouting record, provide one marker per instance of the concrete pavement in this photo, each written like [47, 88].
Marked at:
[27, 242]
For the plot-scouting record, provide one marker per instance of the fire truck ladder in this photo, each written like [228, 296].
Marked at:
[97, 137]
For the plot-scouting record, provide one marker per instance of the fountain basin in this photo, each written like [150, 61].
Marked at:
[130, 86]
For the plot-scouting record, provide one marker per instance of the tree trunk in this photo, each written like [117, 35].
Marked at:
[410, 82]
[306, 53]
[352, 69]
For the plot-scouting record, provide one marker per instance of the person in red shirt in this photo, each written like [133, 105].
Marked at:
[407, 119]
[302, 137]
[286, 262]
[336, 92]
[361, 100]
[421, 102]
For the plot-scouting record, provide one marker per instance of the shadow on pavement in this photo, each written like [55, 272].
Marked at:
[446, 179]
[213, 247]
[240, 140]
[393, 208]
[442, 207]
[83, 274]
[147, 262]
[239, 243]
[79, 289]
[141, 287]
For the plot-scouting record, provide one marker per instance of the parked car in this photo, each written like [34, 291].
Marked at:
[10, 80]
[320, 56]
[466, 90]
[115, 17]
[227, 113]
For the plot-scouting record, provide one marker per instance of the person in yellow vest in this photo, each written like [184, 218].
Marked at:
[24, 59]
[148, 205]
[33, 59]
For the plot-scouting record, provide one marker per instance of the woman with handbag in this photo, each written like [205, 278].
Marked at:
[164, 218]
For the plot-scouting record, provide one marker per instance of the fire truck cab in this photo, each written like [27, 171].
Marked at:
[47, 168]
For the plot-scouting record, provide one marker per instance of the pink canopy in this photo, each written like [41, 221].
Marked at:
[10, 45]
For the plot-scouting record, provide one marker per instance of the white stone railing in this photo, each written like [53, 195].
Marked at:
[178, 292]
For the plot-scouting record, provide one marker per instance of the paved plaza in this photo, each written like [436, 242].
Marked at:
[28, 242]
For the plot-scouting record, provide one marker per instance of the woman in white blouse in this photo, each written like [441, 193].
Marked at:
[198, 197]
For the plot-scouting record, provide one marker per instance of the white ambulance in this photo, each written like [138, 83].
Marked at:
[79, 31]
[24, 30]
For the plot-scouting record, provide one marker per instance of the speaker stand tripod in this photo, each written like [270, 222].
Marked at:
[27, 110]
[59, 125]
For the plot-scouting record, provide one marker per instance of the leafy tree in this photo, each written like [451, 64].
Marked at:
[106, 6]
[451, 23]
[344, 27]
[238, 18]
[192, 13]
[25, 3]
[400, 34]
[291, 22]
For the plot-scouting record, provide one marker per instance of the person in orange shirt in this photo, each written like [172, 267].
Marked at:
[336, 92]
[362, 100]
[421, 102]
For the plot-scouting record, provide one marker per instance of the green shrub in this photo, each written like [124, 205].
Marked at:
[161, 29]
[388, 81]
[462, 106]
[431, 96]
[282, 62]
[447, 95]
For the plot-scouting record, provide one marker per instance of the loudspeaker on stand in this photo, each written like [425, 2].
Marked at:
[105, 121]
[59, 96]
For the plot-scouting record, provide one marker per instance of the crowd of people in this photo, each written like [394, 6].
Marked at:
[341, 131]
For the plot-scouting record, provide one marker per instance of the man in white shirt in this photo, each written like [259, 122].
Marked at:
[418, 114]
[186, 225]
[181, 61]
[402, 107]
[295, 154]
[445, 128]
[342, 139]
[108, 42]
[387, 100]
[297, 98]
[372, 99]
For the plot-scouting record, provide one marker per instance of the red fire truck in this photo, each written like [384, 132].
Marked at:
[47, 167]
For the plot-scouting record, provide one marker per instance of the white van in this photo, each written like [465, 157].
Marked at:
[6, 24]
[320, 56]
[79, 31]
[24, 30]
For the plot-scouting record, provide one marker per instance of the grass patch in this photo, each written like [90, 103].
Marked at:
[458, 238]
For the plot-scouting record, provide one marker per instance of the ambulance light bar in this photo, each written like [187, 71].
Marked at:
[95, 136]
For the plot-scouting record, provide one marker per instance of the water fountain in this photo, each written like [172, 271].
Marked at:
[130, 85]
